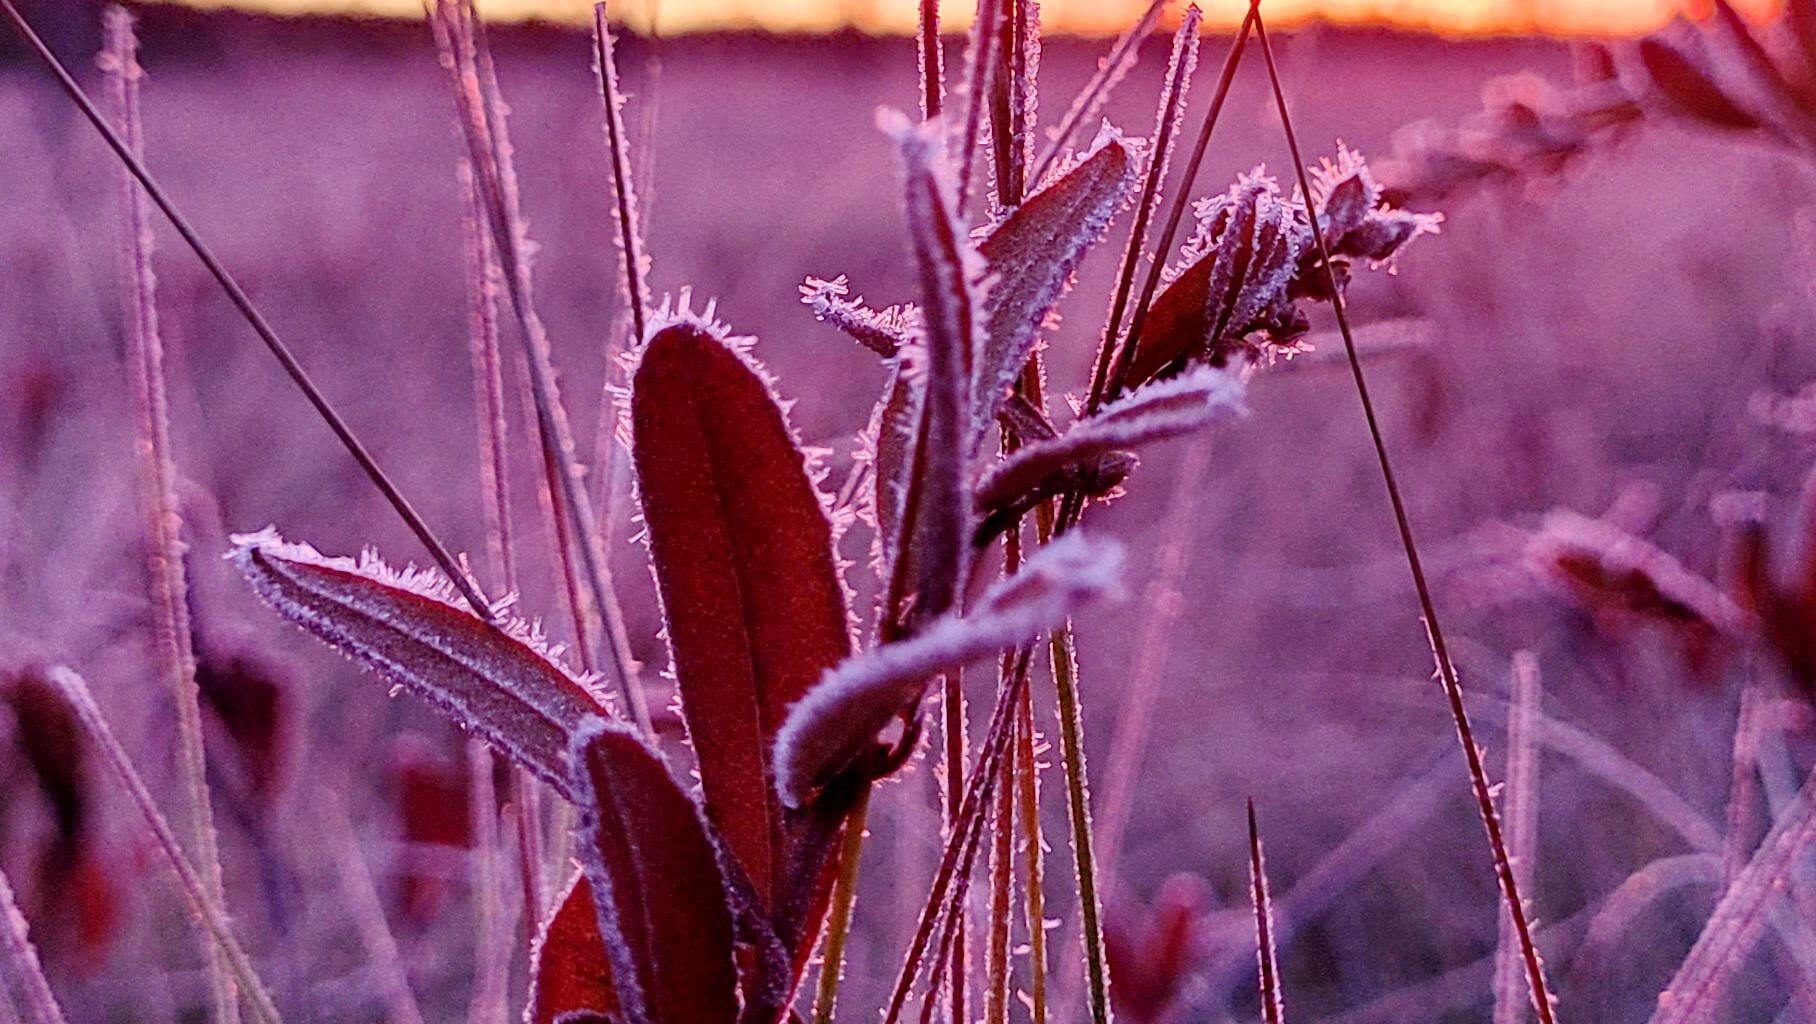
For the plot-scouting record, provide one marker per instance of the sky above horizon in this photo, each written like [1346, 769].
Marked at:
[1088, 17]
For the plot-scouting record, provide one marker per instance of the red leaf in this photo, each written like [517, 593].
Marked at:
[743, 555]
[937, 516]
[1177, 324]
[664, 911]
[570, 978]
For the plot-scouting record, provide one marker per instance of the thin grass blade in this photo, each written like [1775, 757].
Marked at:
[205, 914]
[1089, 102]
[21, 974]
[1273, 1008]
[158, 481]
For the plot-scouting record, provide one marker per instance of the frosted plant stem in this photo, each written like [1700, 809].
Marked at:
[844, 902]
[953, 858]
[1114, 380]
[1521, 801]
[1446, 671]
[624, 210]
[483, 122]
[368, 912]
[1124, 52]
[243, 303]
[933, 86]
[1033, 851]
[1273, 1010]
[163, 521]
[1171, 108]
[1078, 813]
[21, 975]
[205, 913]
[494, 474]
[952, 706]
[977, 91]
[491, 943]
[1002, 888]
[1743, 789]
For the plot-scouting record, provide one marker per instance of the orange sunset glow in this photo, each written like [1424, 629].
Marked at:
[1086, 17]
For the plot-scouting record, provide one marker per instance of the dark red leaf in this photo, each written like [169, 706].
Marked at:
[743, 555]
[570, 978]
[663, 906]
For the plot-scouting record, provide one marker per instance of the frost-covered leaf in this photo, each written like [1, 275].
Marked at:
[742, 550]
[570, 977]
[883, 331]
[1033, 256]
[1253, 259]
[1344, 192]
[1152, 413]
[1239, 265]
[937, 520]
[1609, 571]
[893, 425]
[500, 683]
[841, 718]
[664, 912]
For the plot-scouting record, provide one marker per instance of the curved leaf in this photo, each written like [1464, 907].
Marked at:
[743, 557]
[841, 718]
[937, 515]
[1152, 413]
[664, 912]
[498, 682]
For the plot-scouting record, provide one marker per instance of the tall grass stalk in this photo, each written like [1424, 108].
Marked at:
[1027, 775]
[932, 61]
[482, 120]
[1273, 1008]
[1161, 605]
[469, 591]
[367, 908]
[494, 478]
[1111, 370]
[1740, 916]
[844, 903]
[1521, 797]
[207, 915]
[157, 481]
[1446, 671]
[491, 939]
[22, 981]
[1089, 102]
[954, 859]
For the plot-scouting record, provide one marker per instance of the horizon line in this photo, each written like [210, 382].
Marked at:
[1076, 18]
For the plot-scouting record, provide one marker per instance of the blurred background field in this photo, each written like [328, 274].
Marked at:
[1599, 338]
